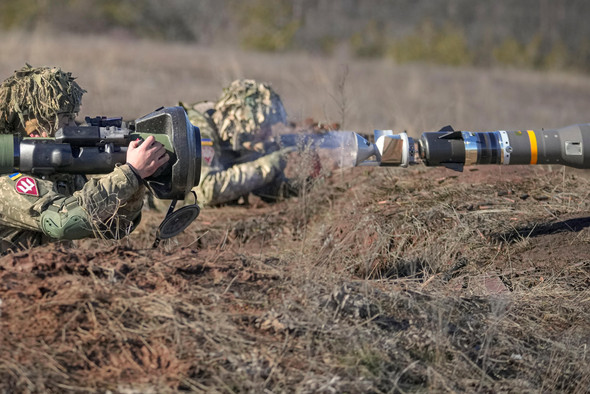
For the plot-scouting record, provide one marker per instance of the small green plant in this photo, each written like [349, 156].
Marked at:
[327, 44]
[558, 58]
[509, 52]
[536, 54]
[18, 13]
[268, 25]
[119, 13]
[446, 45]
[370, 41]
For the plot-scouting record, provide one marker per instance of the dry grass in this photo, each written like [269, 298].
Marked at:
[375, 280]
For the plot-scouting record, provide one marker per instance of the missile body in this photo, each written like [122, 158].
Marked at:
[569, 146]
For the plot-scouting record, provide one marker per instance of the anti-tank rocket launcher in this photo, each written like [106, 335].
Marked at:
[96, 148]
[568, 146]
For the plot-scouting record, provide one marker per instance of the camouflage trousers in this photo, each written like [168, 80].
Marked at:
[13, 239]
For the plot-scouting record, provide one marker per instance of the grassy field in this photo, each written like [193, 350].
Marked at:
[131, 78]
[373, 280]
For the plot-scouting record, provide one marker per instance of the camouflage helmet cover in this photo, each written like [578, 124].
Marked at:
[41, 93]
[244, 107]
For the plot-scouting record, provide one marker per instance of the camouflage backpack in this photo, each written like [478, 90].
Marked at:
[41, 93]
[244, 107]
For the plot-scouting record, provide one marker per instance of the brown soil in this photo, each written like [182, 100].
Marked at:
[374, 280]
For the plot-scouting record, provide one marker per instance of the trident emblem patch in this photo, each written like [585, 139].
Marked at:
[27, 185]
[208, 153]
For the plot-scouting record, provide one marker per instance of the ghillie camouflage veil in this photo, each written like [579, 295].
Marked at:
[41, 93]
[244, 107]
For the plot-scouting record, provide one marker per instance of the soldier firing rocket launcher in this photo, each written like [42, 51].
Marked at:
[97, 147]
[568, 146]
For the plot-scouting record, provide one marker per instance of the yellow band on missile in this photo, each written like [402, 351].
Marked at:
[534, 152]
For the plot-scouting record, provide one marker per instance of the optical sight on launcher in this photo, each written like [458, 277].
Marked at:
[568, 146]
[97, 147]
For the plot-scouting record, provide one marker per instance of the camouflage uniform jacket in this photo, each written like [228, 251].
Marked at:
[222, 180]
[109, 206]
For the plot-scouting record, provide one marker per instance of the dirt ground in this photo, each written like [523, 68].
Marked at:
[373, 280]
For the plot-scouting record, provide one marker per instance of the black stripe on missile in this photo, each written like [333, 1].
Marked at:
[480, 148]
[483, 148]
[488, 148]
[495, 147]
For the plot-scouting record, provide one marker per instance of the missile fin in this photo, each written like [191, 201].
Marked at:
[447, 128]
[453, 135]
[454, 166]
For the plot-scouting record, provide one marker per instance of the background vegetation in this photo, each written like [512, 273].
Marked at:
[538, 34]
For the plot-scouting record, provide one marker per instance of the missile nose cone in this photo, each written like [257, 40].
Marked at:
[353, 149]
[364, 149]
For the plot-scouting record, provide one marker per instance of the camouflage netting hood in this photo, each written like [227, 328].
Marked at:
[244, 107]
[42, 93]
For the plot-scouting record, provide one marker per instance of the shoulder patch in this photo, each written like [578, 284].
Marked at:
[27, 185]
[15, 176]
[206, 142]
[208, 153]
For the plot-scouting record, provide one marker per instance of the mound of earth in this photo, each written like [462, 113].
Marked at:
[371, 280]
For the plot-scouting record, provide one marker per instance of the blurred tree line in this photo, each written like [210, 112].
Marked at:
[539, 34]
